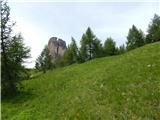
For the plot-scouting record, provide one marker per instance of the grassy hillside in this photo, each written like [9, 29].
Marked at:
[124, 87]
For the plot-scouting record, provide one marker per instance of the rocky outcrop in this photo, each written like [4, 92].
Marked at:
[56, 47]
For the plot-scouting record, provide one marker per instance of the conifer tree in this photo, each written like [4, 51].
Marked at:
[135, 38]
[153, 30]
[109, 47]
[71, 54]
[13, 54]
[90, 45]
[44, 61]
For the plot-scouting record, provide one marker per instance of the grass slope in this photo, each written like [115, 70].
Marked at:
[124, 87]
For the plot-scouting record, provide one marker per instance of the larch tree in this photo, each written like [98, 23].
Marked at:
[44, 61]
[153, 30]
[109, 47]
[13, 55]
[135, 38]
[71, 55]
[90, 45]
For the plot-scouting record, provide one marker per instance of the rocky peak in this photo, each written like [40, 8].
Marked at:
[56, 47]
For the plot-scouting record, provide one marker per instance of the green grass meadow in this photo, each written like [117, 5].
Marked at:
[122, 87]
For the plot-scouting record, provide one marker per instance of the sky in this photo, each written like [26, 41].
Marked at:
[39, 20]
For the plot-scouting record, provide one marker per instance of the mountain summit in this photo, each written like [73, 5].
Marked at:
[56, 47]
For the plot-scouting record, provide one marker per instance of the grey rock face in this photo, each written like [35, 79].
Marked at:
[56, 47]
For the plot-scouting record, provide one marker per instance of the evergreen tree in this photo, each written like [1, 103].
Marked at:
[71, 54]
[74, 49]
[83, 49]
[97, 49]
[154, 30]
[44, 61]
[13, 53]
[90, 45]
[6, 28]
[59, 62]
[90, 42]
[121, 49]
[135, 38]
[109, 47]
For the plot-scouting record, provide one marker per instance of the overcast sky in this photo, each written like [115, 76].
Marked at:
[39, 20]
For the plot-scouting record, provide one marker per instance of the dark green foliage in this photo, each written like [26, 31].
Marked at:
[59, 62]
[16, 53]
[135, 38]
[13, 70]
[90, 46]
[71, 54]
[109, 47]
[6, 26]
[121, 49]
[44, 61]
[98, 48]
[13, 53]
[83, 49]
[153, 30]
[90, 37]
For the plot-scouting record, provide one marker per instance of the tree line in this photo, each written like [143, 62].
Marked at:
[91, 47]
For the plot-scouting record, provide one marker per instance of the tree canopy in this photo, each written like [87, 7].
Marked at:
[135, 38]
[109, 47]
[153, 30]
[90, 45]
